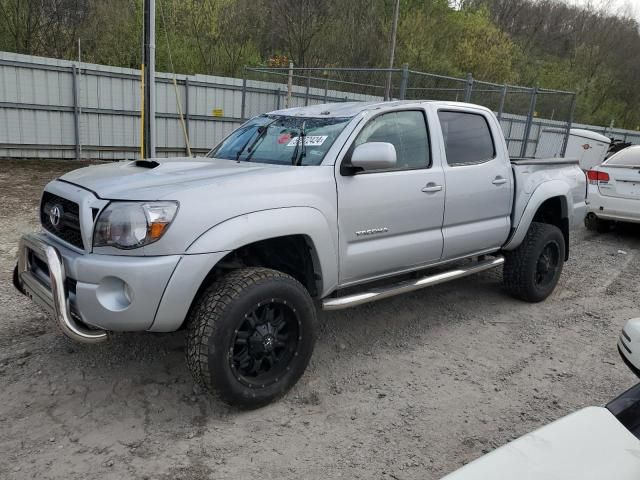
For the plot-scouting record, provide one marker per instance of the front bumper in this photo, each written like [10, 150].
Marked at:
[86, 291]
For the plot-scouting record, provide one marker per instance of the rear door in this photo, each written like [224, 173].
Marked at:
[623, 169]
[479, 183]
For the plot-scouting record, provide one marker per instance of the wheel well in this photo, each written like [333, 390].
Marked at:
[294, 255]
[554, 212]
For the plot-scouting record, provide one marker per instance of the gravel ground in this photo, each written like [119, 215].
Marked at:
[407, 388]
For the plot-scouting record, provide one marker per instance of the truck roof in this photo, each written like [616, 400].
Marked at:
[350, 109]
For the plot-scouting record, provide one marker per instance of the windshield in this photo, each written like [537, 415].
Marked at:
[629, 157]
[275, 139]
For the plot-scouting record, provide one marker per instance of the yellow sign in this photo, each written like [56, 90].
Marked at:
[218, 112]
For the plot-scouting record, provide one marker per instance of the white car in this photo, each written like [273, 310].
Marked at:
[613, 190]
[595, 443]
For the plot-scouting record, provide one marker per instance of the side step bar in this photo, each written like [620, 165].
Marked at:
[409, 286]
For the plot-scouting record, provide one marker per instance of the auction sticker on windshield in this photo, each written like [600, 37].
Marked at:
[309, 141]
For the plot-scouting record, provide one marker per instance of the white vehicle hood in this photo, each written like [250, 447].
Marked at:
[590, 444]
[125, 180]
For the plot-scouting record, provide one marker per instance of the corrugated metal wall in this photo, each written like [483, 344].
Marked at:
[38, 114]
[59, 109]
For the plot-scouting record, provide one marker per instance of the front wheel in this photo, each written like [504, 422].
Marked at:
[250, 336]
[531, 271]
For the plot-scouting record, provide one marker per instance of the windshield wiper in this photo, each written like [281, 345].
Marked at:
[262, 131]
[297, 159]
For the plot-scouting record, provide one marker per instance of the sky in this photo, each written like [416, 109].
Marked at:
[614, 6]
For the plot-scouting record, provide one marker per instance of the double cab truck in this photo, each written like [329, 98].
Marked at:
[332, 205]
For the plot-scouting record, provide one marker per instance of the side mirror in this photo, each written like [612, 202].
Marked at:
[374, 156]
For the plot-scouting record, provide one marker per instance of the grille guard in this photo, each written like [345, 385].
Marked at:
[53, 300]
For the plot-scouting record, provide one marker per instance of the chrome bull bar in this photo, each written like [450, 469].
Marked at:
[54, 299]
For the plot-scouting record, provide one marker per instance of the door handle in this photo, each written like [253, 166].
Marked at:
[499, 181]
[432, 188]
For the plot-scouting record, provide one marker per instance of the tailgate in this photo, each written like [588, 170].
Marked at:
[624, 182]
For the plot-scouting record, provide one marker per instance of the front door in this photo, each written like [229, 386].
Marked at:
[391, 220]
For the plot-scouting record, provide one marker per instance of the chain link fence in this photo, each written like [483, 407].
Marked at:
[60, 109]
[524, 113]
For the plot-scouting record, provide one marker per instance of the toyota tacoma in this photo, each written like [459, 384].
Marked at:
[332, 205]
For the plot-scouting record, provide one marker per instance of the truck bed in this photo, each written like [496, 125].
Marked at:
[529, 174]
[544, 161]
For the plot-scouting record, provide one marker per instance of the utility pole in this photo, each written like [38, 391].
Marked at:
[149, 67]
[394, 31]
[79, 89]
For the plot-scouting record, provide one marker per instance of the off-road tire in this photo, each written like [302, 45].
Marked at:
[521, 265]
[593, 223]
[213, 325]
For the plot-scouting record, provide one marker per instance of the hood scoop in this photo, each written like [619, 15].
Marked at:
[146, 163]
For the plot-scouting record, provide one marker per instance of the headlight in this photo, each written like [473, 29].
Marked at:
[129, 225]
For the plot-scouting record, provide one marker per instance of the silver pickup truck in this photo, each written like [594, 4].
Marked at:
[336, 204]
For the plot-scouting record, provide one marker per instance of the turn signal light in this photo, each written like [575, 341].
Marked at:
[596, 176]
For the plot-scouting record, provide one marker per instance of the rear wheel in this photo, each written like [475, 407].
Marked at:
[531, 271]
[250, 336]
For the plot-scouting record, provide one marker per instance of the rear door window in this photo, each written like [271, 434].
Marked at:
[629, 157]
[467, 138]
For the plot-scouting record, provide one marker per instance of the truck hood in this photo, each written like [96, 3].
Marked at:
[590, 444]
[129, 181]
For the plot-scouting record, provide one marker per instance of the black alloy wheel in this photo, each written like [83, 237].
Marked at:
[264, 344]
[548, 264]
[250, 336]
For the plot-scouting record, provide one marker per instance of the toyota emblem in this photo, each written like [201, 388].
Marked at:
[55, 215]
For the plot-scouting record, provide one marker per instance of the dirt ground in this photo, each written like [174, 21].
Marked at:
[407, 388]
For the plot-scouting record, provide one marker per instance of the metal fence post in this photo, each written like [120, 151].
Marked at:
[276, 92]
[306, 95]
[287, 102]
[569, 122]
[76, 110]
[502, 99]
[404, 81]
[326, 88]
[611, 125]
[468, 88]
[243, 106]
[527, 128]
[186, 106]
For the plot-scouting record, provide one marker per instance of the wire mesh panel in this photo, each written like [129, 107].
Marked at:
[426, 86]
[490, 95]
[551, 121]
[296, 87]
[516, 107]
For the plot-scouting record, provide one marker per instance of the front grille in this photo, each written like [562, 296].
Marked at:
[66, 216]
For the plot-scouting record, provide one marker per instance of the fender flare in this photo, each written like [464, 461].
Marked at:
[252, 227]
[544, 192]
